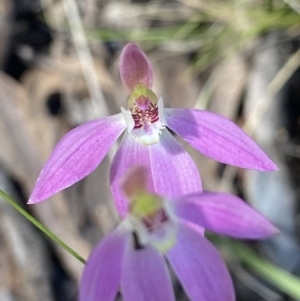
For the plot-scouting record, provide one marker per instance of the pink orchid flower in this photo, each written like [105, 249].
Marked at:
[147, 141]
[132, 256]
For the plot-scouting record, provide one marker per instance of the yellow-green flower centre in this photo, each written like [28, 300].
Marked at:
[144, 204]
[142, 104]
[153, 222]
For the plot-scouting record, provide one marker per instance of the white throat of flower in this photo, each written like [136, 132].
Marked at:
[157, 229]
[146, 121]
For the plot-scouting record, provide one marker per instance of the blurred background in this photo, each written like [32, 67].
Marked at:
[59, 68]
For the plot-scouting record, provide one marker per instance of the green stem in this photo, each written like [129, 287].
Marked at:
[282, 279]
[40, 226]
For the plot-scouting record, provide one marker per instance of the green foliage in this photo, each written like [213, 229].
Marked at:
[217, 29]
[282, 279]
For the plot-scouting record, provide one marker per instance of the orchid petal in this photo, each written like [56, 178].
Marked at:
[200, 268]
[224, 214]
[145, 276]
[134, 182]
[130, 153]
[218, 138]
[76, 155]
[135, 67]
[173, 170]
[102, 275]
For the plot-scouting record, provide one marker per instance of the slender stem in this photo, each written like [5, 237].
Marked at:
[44, 229]
[282, 279]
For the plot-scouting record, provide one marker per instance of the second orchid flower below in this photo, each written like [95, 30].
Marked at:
[131, 258]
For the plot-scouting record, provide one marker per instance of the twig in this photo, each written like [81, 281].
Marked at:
[85, 57]
[274, 87]
[294, 4]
